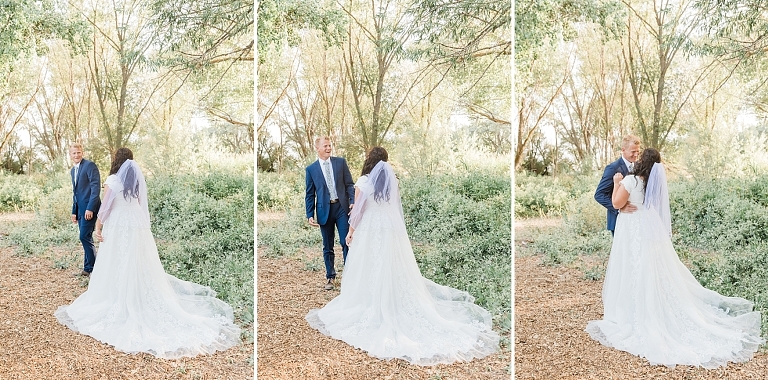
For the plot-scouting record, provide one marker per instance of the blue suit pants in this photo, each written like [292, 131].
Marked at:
[337, 217]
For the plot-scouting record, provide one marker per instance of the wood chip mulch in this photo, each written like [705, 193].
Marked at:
[33, 345]
[552, 308]
[289, 349]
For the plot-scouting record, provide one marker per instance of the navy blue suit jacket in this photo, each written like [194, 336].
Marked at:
[604, 190]
[86, 192]
[319, 197]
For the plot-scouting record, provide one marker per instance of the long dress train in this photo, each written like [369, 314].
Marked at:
[388, 309]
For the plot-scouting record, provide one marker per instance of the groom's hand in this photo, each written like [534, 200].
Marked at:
[88, 214]
[74, 218]
[312, 222]
[628, 208]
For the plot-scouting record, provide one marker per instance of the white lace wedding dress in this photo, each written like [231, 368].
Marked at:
[388, 309]
[133, 305]
[654, 307]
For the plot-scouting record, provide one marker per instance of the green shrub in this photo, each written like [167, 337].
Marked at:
[537, 196]
[55, 208]
[280, 191]
[19, 192]
[288, 235]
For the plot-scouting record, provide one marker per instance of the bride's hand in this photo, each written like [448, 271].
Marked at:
[617, 178]
[98, 236]
[349, 239]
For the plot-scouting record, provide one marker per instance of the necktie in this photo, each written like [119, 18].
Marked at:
[329, 180]
[76, 170]
[631, 166]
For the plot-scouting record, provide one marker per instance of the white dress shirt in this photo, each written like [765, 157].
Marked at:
[322, 169]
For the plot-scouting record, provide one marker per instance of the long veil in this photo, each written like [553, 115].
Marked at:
[382, 183]
[657, 195]
[133, 187]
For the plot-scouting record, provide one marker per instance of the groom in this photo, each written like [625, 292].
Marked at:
[630, 149]
[86, 185]
[330, 191]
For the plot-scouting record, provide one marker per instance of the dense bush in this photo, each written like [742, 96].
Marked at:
[280, 191]
[546, 196]
[19, 192]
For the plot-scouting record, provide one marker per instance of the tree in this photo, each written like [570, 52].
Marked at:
[539, 26]
[62, 112]
[280, 21]
[122, 40]
[17, 95]
[735, 28]
[657, 36]
[377, 35]
[590, 115]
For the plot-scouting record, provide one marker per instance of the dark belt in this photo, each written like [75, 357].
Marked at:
[334, 201]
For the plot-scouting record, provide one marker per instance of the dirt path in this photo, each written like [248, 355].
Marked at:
[552, 308]
[289, 349]
[33, 345]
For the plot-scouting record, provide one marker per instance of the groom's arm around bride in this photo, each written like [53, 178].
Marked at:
[630, 148]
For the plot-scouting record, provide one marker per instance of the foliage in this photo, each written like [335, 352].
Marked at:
[26, 24]
[19, 192]
[537, 22]
[281, 21]
[458, 31]
[734, 26]
[288, 235]
[205, 32]
[547, 196]
[279, 191]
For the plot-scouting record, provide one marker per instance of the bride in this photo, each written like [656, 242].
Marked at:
[653, 306]
[385, 306]
[131, 303]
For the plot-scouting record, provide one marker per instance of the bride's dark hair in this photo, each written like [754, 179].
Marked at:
[122, 155]
[644, 165]
[373, 157]
[376, 155]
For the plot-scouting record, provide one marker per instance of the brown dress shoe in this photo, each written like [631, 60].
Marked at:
[85, 274]
[329, 285]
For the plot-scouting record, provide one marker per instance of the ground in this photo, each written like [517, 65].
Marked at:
[289, 349]
[552, 308]
[33, 345]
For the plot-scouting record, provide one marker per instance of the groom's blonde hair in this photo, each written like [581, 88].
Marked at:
[76, 145]
[630, 140]
[321, 138]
